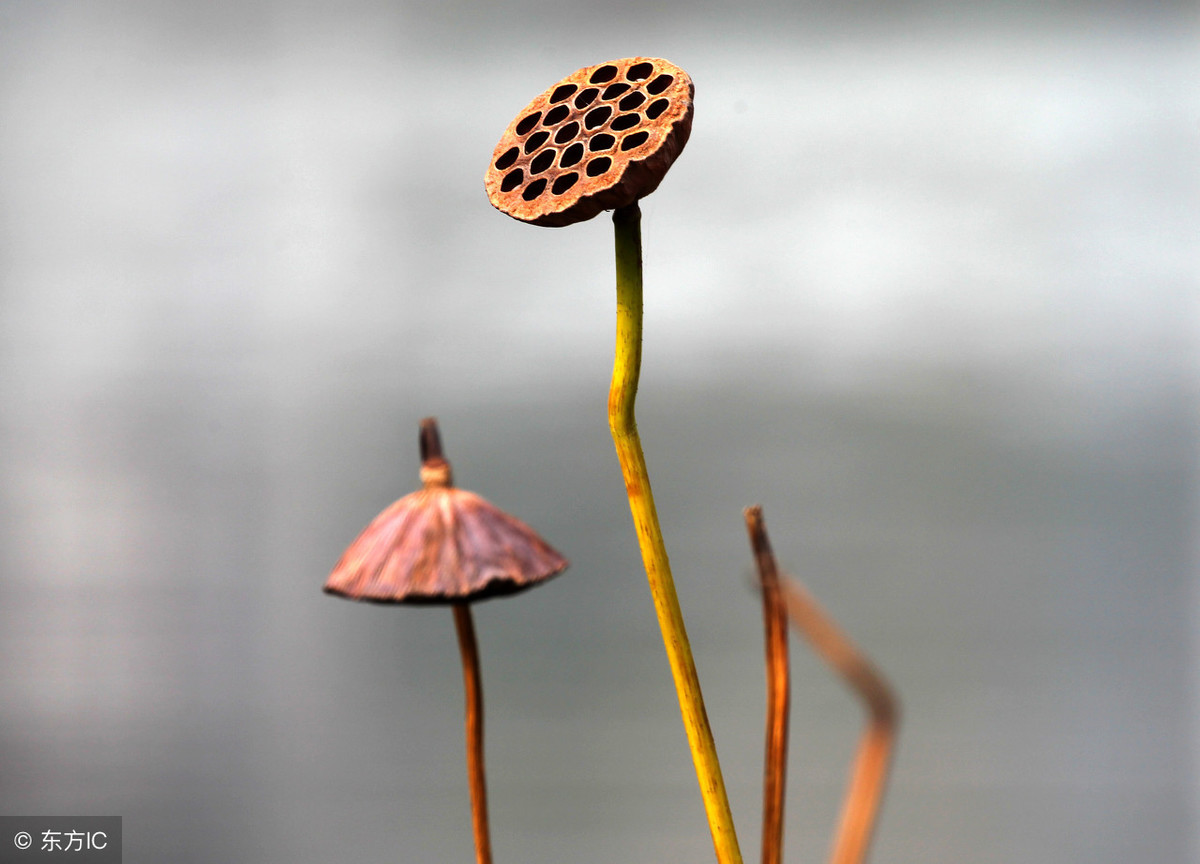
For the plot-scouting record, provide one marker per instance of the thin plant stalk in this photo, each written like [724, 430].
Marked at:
[775, 625]
[872, 762]
[868, 777]
[473, 685]
[626, 367]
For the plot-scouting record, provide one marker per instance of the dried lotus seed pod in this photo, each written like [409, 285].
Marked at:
[599, 139]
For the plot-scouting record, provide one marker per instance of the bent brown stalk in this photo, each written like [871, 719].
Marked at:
[868, 777]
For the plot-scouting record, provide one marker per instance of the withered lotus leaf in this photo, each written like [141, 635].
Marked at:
[442, 545]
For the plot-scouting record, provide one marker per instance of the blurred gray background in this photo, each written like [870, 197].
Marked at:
[923, 284]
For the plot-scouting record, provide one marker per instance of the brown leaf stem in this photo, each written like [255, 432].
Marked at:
[473, 685]
[872, 762]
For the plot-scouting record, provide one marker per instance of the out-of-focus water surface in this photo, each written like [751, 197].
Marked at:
[923, 284]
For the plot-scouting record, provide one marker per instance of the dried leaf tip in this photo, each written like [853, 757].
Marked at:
[442, 545]
[435, 470]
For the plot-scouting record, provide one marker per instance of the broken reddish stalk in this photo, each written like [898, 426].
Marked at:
[473, 685]
[778, 687]
[868, 778]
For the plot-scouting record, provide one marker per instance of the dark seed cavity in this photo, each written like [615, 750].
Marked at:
[637, 139]
[626, 121]
[571, 155]
[564, 182]
[603, 141]
[534, 189]
[598, 166]
[535, 141]
[631, 102]
[614, 91]
[528, 123]
[604, 73]
[509, 157]
[640, 71]
[562, 92]
[596, 117]
[657, 107]
[659, 84]
[566, 133]
[555, 115]
[512, 180]
[542, 161]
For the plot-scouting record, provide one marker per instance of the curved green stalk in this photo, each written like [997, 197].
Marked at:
[626, 367]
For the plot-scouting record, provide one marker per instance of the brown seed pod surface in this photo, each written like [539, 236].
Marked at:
[599, 139]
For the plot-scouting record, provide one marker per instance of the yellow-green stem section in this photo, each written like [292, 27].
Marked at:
[626, 367]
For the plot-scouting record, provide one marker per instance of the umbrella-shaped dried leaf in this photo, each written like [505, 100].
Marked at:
[599, 139]
[442, 545]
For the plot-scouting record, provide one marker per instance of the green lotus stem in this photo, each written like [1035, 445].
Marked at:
[626, 367]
